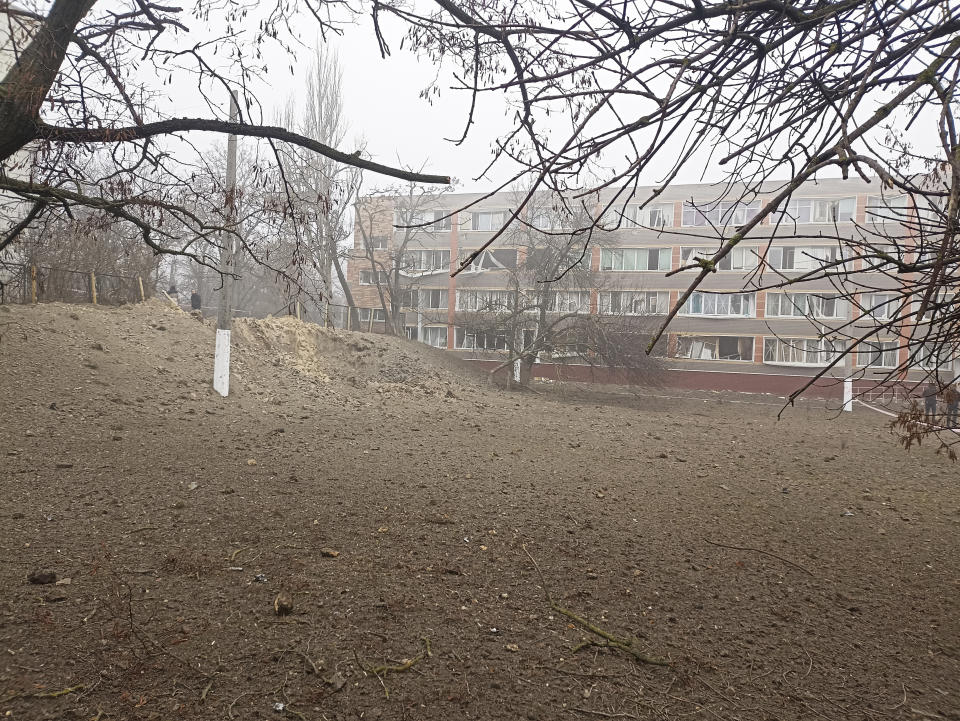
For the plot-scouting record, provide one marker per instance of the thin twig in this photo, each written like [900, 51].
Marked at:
[761, 551]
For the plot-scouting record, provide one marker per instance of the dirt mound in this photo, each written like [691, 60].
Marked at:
[382, 363]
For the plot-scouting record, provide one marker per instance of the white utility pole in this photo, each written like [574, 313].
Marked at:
[848, 394]
[221, 357]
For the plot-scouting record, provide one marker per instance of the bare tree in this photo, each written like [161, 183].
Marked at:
[397, 261]
[635, 92]
[84, 79]
[542, 304]
[322, 190]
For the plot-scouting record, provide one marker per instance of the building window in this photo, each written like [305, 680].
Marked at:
[800, 351]
[426, 299]
[363, 314]
[880, 306]
[818, 210]
[635, 259]
[805, 305]
[441, 221]
[368, 278]
[431, 220]
[935, 356]
[435, 336]
[720, 304]
[486, 220]
[634, 302]
[377, 242]
[502, 259]
[886, 209]
[727, 348]
[878, 355]
[655, 215]
[425, 261]
[803, 257]
[485, 300]
[473, 339]
[569, 301]
[719, 214]
[737, 259]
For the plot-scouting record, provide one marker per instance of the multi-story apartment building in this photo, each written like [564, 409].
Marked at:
[729, 335]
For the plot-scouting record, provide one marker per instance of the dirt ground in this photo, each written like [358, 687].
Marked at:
[447, 546]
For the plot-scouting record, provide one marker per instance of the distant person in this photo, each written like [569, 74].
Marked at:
[930, 402]
[195, 300]
[951, 396]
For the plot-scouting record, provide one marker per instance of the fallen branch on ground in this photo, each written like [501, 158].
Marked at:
[624, 644]
[761, 551]
[45, 694]
[406, 665]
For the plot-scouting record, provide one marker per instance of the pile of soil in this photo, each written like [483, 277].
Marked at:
[450, 550]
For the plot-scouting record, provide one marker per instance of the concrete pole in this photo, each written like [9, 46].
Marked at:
[221, 358]
[848, 394]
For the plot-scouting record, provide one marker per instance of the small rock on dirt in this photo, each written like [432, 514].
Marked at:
[42, 578]
[337, 681]
[283, 604]
[329, 553]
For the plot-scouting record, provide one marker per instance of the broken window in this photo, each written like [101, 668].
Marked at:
[634, 302]
[739, 348]
[801, 351]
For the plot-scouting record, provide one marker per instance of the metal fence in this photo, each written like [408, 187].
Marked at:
[22, 283]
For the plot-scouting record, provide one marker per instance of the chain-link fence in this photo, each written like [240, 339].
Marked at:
[22, 283]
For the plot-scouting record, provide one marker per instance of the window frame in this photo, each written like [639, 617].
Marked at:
[704, 340]
[794, 346]
[661, 302]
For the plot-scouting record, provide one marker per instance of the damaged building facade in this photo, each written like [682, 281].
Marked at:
[729, 334]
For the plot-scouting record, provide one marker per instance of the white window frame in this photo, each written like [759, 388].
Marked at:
[431, 295]
[804, 305]
[718, 214]
[803, 211]
[635, 259]
[720, 305]
[434, 335]
[654, 215]
[468, 339]
[804, 257]
[484, 300]
[707, 347]
[634, 302]
[363, 315]
[889, 302]
[569, 301]
[739, 259]
[878, 354]
[807, 352]
[382, 277]
[886, 209]
[427, 260]
[486, 220]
